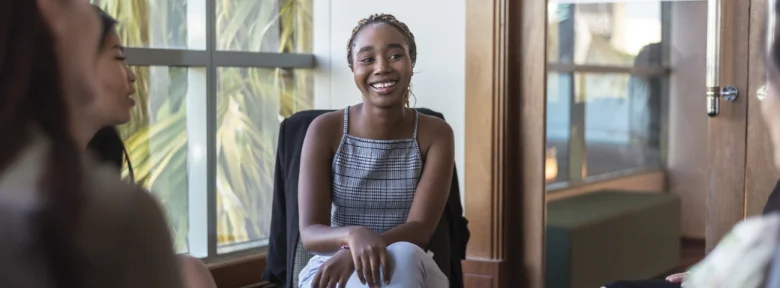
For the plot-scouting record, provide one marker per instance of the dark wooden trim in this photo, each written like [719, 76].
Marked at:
[505, 110]
[486, 124]
[483, 273]
[529, 56]
[728, 131]
[242, 272]
[483, 144]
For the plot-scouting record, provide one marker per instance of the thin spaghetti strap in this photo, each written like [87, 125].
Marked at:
[346, 120]
[416, 122]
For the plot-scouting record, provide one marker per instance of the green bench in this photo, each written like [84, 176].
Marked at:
[598, 238]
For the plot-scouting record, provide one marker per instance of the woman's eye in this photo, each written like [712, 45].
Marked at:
[366, 60]
[121, 58]
[395, 56]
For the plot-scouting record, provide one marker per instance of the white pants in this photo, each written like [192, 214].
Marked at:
[412, 267]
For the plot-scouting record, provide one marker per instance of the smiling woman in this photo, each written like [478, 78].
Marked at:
[381, 211]
[384, 33]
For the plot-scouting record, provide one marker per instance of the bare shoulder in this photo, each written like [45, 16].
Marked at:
[432, 130]
[326, 128]
[329, 121]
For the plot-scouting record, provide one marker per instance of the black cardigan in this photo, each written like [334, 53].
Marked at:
[773, 203]
[284, 219]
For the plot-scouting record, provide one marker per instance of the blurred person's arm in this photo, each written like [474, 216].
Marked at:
[124, 228]
[150, 259]
[194, 273]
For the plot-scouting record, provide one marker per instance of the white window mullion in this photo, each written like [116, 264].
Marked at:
[197, 136]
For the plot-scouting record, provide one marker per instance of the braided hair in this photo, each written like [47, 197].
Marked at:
[387, 19]
[395, 23]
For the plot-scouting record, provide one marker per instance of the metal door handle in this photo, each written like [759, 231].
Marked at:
[714, 89]
[714, 94]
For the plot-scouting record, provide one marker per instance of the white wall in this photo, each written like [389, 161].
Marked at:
[687, 162]
[439, 81]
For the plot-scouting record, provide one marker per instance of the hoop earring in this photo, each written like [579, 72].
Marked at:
[408, 93]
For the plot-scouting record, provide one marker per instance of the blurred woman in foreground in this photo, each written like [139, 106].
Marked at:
[96, 132]
[66, 220]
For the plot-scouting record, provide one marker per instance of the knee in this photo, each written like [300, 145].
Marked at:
[405, 251]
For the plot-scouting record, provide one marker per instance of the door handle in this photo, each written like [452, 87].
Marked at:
[715, 93]
[714, 90]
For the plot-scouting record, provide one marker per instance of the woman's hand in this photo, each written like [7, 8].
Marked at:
[369, 252]
[335, 271]
[677, 278]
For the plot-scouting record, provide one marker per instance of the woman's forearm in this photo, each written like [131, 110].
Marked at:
[323, 239]
[412, 232]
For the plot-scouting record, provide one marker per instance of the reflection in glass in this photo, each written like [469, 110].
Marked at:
[621, 121]
[605, 88]
[161, 24]
[282, 26]
[559, 91]
[601, 33]
[156, 140]
[250, 106]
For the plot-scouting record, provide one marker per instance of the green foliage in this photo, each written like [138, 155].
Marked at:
[250, 104]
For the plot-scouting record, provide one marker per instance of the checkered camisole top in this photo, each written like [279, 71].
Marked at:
[374, 180]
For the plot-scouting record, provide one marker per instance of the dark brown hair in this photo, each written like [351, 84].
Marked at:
[31, 96]
[107, 144]
[773, 55]
[387, 19]
[395, 23]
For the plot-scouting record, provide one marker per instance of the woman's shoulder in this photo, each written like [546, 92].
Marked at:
[432, 122]
[330, 119]
[103, 182]
[328, 126]
[113, 203]
[741, 256]
[434, 129]
[125, 225]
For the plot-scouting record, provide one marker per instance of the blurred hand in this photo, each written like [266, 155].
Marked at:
[75, 29]
[677, 278]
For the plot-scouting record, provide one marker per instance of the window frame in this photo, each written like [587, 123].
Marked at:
[577, 140]
[202, 241]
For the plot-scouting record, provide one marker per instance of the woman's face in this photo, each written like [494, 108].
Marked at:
[112, 107]
[770, 110]
[381, 66]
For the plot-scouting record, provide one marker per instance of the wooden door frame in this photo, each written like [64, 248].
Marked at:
[505, 140]
[726, 199]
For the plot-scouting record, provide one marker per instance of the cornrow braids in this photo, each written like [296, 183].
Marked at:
[387, 19]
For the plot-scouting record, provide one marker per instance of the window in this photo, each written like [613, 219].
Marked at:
[606, 85]
[215, 79]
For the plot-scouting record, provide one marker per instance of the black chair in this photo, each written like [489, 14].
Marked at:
[286, 255]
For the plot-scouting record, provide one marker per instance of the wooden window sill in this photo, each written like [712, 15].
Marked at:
[647, 182]
[244, 271]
